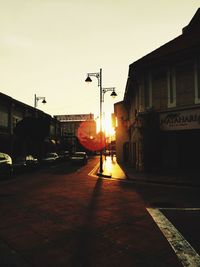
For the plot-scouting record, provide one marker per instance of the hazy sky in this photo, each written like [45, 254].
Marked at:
[48, 46]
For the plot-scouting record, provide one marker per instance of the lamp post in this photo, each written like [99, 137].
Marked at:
[112, 89]
[98, 75]
[37, 98]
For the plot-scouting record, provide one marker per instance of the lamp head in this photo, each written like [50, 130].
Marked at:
[44, 101]
[88, 79]
[113, 94]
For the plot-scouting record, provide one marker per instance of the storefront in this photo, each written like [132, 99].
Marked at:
[180, 139]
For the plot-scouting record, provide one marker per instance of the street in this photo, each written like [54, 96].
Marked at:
[61, 216]
[181, 206]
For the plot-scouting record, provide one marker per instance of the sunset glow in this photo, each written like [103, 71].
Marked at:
[106, 125]
[44, 46]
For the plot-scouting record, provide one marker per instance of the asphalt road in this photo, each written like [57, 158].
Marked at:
[61, 216]
[181, 206]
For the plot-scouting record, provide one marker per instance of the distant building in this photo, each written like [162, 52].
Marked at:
[159, 118]
[70, 124]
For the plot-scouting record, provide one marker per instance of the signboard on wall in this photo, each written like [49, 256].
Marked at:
[180, 120]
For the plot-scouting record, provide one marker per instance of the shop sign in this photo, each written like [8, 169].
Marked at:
[180, 120]
[76, 117]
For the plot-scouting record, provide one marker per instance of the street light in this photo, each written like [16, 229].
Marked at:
[98, 75]
[112, 89]
[37, 98]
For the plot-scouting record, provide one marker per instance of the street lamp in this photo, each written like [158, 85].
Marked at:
[37, 98]
[112, 89]
[98, 75]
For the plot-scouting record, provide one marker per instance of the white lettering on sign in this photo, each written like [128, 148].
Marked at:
[76, 117]
[180, 120]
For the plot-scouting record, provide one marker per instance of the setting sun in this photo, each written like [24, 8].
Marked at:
[106, 125]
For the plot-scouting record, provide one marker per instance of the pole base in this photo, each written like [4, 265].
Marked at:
[103, 175]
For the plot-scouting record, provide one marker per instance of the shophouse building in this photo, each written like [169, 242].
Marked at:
[159, 117]
[12, 112]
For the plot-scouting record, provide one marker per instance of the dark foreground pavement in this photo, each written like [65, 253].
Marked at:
[61, 219]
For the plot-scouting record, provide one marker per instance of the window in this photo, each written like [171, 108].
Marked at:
[4, 117]
[197, 80]
[148, 91]
[171, 84]
[17, 116]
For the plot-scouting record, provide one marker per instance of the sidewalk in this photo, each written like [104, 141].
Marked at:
[113, 170]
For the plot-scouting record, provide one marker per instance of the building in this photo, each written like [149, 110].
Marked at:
[13, 117]
[159, 117]
[121, 135]
[71, 125]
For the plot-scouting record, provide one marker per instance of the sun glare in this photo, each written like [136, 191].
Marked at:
[106, 125]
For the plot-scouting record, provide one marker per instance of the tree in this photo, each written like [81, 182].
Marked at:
[34, 128]
[31, 133]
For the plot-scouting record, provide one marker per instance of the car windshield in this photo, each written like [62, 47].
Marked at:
[29, 157]
[51, 155]
[2, 156]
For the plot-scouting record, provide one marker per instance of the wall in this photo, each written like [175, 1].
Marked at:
[122, 137]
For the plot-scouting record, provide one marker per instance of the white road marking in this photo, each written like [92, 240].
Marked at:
[184, 251]
[94, 171]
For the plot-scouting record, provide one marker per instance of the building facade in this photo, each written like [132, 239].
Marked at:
[121, 135]
[161, 106]
[12, 112]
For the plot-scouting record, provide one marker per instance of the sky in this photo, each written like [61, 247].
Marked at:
[47, 47]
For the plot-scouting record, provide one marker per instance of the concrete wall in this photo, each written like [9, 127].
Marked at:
[121, 130]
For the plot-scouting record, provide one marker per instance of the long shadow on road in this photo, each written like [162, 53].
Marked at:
[81, 255]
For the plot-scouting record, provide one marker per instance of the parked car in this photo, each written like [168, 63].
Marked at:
[79, 158]
[24, 163]
[64, 155]
[50, 158]
[6, 167]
